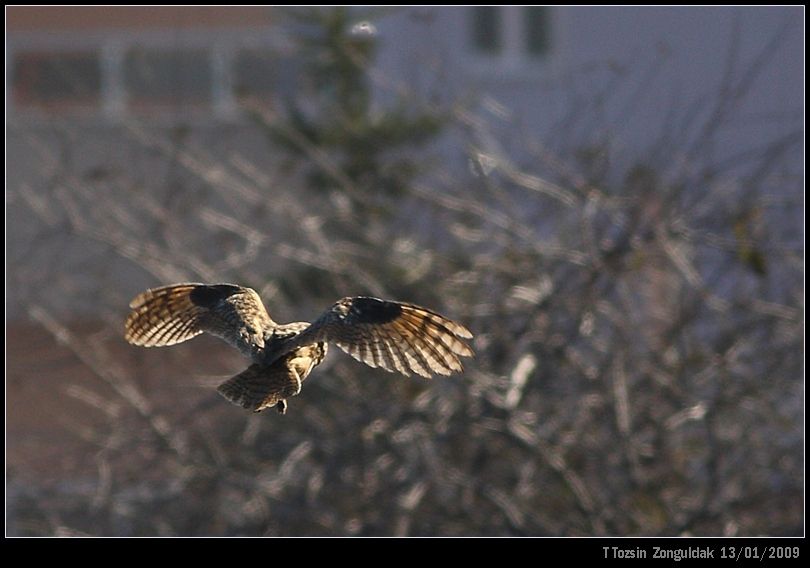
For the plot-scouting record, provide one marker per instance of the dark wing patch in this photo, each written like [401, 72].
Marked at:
[369, 310]
[210, 295]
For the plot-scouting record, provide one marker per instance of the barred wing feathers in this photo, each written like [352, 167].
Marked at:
[391, 335]
[173, 314]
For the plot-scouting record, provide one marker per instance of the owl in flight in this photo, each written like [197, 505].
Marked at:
[380, 333]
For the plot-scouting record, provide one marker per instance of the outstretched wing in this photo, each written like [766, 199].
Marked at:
[391, 335]
[176, 313]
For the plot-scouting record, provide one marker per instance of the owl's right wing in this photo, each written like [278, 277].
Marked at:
[173, 314]
[395, 336]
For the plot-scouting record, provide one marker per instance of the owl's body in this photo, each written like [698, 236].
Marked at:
[392, 335]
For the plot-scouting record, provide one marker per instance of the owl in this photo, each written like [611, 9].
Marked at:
[395, 336]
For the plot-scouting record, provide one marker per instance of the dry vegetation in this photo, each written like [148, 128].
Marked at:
[639, 327]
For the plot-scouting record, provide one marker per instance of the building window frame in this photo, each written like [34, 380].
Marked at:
[512, 56]
[114, 102]
[32, 67]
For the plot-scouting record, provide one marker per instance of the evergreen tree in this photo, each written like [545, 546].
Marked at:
[333, 115]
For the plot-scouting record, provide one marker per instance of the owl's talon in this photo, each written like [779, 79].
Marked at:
[281, 406]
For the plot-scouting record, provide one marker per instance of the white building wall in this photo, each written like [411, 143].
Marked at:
[649, 64]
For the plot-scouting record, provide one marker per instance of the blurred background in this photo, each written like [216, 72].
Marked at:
[611, 199]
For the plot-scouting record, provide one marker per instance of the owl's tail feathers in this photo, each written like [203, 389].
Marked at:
[164, 316]
[261, 386]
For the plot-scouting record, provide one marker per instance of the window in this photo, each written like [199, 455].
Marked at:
[486, 29]
[57, 81]
[537, 29]
[113, 78]
[511, 34]
[175, 78]
[255, 74]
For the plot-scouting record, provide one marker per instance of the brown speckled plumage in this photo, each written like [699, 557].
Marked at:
[392, 335]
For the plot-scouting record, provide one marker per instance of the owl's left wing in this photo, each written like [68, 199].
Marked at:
[392, 335]
[173, 314]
